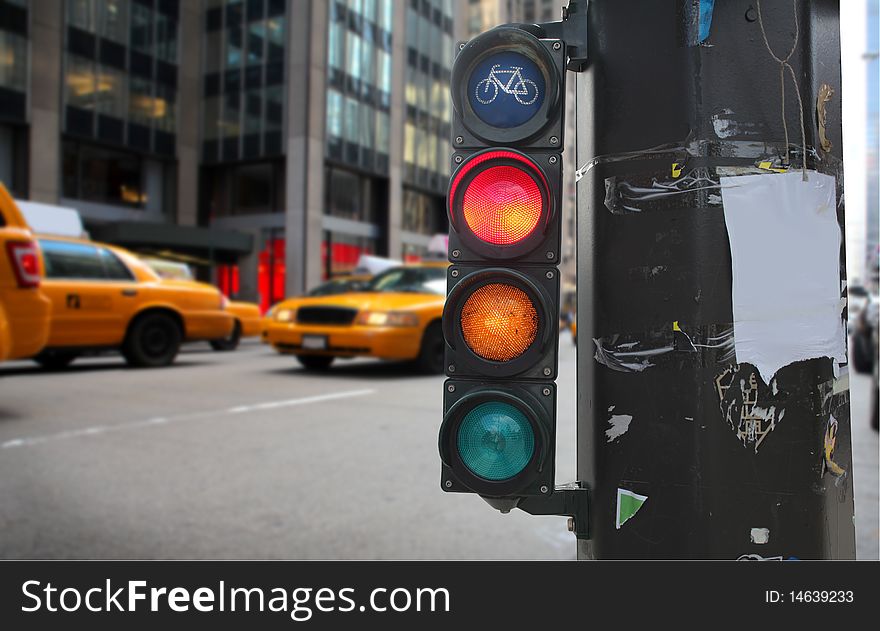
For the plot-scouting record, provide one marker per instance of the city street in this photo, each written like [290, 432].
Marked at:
[244, 455]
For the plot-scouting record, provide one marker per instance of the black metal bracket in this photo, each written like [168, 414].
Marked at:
[567, 500]
[572, 29]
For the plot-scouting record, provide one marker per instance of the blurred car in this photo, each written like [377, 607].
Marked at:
[104, 297]
[875, 411]
[398, 316]
[864, 353]
[857, 299]
[342, 285]
[24, 309]
[248, 322]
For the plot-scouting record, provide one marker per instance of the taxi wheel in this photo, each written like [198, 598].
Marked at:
[55, 360]
[430, 358]
[152, 341]
[315, 362]
[228, 343]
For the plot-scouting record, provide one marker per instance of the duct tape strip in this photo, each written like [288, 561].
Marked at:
[632, 353]
[679, 186]
[690, 148]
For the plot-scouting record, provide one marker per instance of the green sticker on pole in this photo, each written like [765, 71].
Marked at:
[628, 504]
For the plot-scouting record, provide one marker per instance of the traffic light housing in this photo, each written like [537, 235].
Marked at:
[497, 439]
[501, 319]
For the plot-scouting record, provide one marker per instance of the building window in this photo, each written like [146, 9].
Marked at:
[350, 196]
[423, 214]
[80, 83]
[13, 61]
[111, 176]
[111, 88]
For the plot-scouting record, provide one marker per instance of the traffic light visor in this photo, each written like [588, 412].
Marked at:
[495, 441]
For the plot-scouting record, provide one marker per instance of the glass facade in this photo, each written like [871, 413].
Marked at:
[359, 83]
[120, 73]
[243, 91]
[429, 48]
[358, 138]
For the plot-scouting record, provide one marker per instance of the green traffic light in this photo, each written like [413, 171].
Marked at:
[496, 441]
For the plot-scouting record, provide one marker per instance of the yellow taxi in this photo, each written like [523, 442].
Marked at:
[397, 316]
[104, 297]
[24, 310]
[247, 319]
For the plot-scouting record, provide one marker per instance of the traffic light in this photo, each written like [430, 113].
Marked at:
[501, 319]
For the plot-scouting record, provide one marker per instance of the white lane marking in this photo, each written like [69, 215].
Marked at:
[163, 420]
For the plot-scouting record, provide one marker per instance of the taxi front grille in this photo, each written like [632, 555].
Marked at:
[335, 316]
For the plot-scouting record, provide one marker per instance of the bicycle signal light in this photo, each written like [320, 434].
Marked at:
[507, 87]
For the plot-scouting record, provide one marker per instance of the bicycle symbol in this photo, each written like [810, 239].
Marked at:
[516, 85]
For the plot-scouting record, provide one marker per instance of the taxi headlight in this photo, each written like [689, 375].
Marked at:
[387, 318]
[285, 315]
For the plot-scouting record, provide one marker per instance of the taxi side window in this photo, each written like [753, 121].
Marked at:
[113, 267]
[81, 262]
[71, 260]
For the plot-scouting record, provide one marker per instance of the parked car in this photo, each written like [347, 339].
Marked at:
[398, 316]
[24, 309]
[104, 297]
[864, 353]
[873, 315]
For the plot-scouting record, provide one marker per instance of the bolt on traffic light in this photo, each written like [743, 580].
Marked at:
[501, 318]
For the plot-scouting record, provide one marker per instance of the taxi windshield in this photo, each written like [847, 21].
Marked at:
[419, 280]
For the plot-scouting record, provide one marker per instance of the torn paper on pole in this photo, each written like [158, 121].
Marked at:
[785, 250]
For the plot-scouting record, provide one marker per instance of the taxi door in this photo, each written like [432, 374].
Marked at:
[93, 294]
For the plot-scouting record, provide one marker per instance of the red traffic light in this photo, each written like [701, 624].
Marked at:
[500, 203]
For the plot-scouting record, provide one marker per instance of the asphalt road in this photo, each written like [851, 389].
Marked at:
[244, 455]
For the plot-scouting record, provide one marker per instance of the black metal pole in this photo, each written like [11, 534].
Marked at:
[675, 439]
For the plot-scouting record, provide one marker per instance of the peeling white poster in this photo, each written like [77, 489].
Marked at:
[785, 249]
